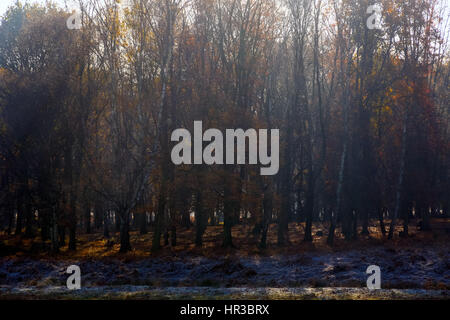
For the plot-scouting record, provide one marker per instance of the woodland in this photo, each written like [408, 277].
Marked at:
[86, 117]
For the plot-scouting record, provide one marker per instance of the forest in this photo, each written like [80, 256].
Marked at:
[89, 100]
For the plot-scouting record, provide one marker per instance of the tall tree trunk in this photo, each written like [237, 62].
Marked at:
[267, 214]
[405, 223]
[142, 217]
[173, 235]
[44, 219]
[335, 215]
[117, 221]
[87, 217]
[381, 220]
[125, 245]
[227, 227]
[105, 223]
[73, 236]
[228, 218]
[54, 232]
[286, 185]
[166, 236]
[10, 212]
[355, 225]
[200, 221]
[73, 220]
[27, 207]
[19, 218]
[186, 218]
[425, 215]
[98, 216]
[62, 234]
[399, 187]
[29, 215]
[156, 241]
[309, 206]
[170, 10]
[365, 222]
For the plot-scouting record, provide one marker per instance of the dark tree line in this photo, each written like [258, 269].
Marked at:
[86, 117]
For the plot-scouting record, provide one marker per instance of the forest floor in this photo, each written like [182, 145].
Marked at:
[417, 267]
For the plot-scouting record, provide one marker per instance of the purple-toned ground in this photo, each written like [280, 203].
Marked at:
[413, 273]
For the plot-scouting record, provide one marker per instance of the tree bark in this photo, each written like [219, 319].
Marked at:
[19, 219]
[335, 215]
[228, 218]
[200, 225]
[309, 207]
[87, 217]
[267, 215]
[381, 220]
[125, 245]
[105, 223]
[399, 187]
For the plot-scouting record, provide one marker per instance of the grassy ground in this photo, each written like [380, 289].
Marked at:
[201, 293]
[416, 267]
[95, 246]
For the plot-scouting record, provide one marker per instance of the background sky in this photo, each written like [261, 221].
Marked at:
[4, 4]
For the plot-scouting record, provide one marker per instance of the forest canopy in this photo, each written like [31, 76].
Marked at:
[86, 116]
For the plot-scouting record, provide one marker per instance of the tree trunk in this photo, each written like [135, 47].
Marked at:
[73, 219]
[62, 234]
[54, 232]
[98, 216]
[44, 219]
[73, 237]
[227, 235]
[425, 215]
[335, 215]
[186, 218]
[105, 223]
[29, 215]
[284, 213]
[156, 242]
[228, 212]
[365, 222]
[125, 245]
[19, 219]
[405, 223]
[200, 225]
[142, 217]
[400, 177]
[267, 215]
[162, 131]
[73, 223]
[173, 236]
[355, 225]
[381, 219]
[87, 217]
[309, 206]
[118, 221]
[10, 211]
